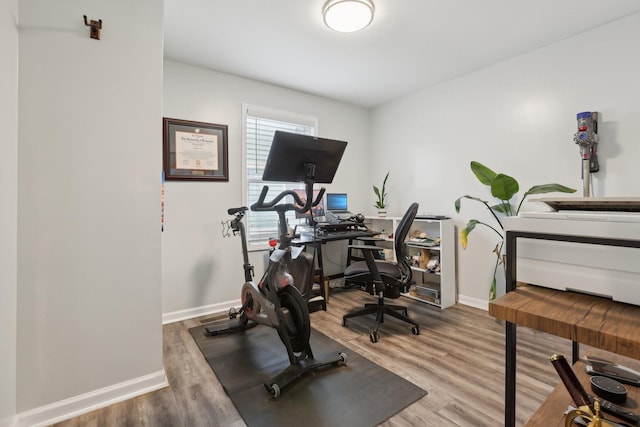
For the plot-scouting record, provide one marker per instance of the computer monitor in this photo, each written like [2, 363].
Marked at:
[318, 210]
[294, 158]
[337, 202]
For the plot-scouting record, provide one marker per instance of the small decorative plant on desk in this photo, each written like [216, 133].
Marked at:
[503, 187]
[381, 202]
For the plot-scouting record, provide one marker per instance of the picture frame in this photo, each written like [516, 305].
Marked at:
[195, 151]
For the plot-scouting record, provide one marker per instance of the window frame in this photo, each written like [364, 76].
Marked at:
[250, 110]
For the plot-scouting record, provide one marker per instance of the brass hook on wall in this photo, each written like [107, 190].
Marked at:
[96, 26]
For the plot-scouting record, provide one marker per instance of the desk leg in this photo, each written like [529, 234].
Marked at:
[510, 375]
[575, 352]
[324, 286]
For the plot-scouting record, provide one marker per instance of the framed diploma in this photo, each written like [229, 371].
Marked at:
[194, 151]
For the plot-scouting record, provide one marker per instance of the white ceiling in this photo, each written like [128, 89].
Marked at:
[411, 44]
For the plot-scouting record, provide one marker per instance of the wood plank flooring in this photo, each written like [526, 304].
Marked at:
[458, 358]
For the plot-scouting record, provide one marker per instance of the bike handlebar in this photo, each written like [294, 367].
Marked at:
[233, 211]
[299, 206]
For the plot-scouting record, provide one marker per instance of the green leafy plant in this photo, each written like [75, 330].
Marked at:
[504, 188]
[381, 194]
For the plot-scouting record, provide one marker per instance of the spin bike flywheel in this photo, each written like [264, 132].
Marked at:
[294, 303]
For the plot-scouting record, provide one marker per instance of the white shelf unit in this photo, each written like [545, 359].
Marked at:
[435, 286]
[386, 226]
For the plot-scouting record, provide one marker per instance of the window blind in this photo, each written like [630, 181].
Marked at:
[259, 128]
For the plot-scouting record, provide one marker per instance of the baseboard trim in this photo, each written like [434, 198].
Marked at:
[474, 302]
[223, 307]
[205, 310]
[78, 405]
[9, 421]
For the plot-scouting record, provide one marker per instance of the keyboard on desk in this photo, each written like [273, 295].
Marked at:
[341, 234]
[347, 234]
[340, 227]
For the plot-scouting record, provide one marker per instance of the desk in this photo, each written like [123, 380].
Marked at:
[595, 321]
[322, 239]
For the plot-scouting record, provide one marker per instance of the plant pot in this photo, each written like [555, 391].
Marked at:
[382, 213]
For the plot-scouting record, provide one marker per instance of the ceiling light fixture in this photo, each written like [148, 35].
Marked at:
[347, 16]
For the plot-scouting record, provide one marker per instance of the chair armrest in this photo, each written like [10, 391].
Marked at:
[370, 239]
[365, 247]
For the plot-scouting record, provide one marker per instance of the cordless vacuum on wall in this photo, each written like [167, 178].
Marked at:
[587, 139]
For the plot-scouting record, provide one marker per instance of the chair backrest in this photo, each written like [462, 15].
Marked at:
[399, 237]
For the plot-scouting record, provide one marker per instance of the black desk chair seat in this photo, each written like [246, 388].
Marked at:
[359, 272]
[384, 278]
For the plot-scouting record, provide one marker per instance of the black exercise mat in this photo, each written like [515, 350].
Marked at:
[360, 393]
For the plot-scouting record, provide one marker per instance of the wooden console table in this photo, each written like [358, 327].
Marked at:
[591, 320]
[551, 412]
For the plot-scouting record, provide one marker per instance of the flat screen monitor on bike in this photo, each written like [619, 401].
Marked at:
[291, 152]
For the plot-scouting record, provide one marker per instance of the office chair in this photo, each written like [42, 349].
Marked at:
[384, 278]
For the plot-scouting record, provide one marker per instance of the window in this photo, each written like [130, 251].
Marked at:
[259, 125]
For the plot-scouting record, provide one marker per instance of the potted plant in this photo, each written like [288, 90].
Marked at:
[381, 202]
[503, 187]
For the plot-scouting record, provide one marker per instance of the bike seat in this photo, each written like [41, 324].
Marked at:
[232, 211]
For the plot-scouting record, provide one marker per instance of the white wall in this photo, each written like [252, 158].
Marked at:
[517, 117]
[89, 163]
[9, 209]
[200, 269]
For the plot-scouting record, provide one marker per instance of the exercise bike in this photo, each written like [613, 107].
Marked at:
[275, 300]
